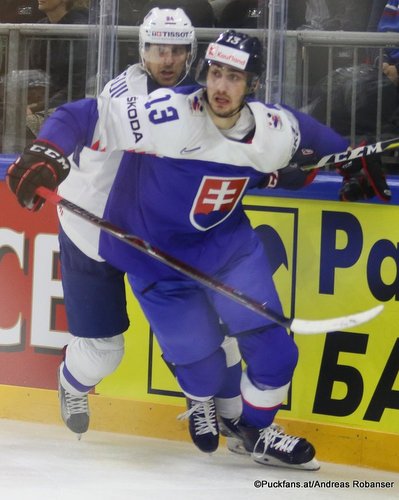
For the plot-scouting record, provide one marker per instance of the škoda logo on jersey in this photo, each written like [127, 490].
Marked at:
[216, 198]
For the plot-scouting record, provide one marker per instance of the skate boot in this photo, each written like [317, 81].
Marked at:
[203, 425]
[271, 446]
[74, 410]
[229, 428]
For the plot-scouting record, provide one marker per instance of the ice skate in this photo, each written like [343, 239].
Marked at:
[74, 410]
[271, 446]
[203, 425]
[228, 428]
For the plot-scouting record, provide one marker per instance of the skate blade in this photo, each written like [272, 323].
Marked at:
[312, 465]
[236, 446]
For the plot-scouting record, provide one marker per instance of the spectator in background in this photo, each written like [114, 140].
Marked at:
[329, 15]
[308, 14]
[377, 7]
[62, 88]
[36, 82]
[19, 11]
[348, 16]
[200, 12]
[390, 22]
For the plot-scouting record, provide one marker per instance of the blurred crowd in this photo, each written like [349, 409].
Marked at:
[57, 69]
[357, 15]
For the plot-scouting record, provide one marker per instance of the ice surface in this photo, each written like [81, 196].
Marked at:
[45, 462]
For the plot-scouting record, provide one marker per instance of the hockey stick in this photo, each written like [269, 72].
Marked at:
[296, 325]
[352, 154]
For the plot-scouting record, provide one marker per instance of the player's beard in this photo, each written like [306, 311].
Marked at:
[227, 114]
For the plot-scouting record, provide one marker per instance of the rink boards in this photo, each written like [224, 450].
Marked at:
[330, 259]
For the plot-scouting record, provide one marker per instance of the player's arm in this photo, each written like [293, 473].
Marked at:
[71, 125]
[363, 178]
[314, 141]
[45, 163]
[145, 124]
[293, 176]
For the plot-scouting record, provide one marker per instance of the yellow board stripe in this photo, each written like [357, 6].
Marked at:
[343, 445]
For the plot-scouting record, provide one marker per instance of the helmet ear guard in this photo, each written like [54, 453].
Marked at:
[238, 51]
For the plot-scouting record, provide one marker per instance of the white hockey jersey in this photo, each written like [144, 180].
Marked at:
[89, 182]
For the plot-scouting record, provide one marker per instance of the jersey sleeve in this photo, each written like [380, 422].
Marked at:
[320, 139]
[123, 124]
[71, 125]
[153, 124]
[312, 141]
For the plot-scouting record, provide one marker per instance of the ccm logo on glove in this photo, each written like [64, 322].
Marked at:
[41, 164]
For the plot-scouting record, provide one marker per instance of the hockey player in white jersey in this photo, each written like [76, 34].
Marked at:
[193, 153]
[97, 314]
[94, 291]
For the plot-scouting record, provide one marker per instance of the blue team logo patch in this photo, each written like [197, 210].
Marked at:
[216, 198]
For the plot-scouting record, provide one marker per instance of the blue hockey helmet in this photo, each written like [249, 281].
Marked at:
[237, 50]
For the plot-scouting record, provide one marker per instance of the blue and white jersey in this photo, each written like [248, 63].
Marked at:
[92, 174]
[175, 123]
[181, 183]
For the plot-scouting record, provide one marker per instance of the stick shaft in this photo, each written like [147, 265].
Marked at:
[361, 151]
[296, 325]
[147, 248]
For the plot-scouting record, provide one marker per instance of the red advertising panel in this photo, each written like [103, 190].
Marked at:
[33, 326]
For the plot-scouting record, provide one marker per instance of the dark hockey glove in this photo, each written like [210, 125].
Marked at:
[41, 164]
[363, 178]
[295, 175]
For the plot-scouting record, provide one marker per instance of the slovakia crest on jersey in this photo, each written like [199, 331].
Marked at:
[216, 198]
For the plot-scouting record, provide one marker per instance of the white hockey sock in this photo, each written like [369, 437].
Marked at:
[87, 361]
[229, 407]
[232, 351]
[265, 398]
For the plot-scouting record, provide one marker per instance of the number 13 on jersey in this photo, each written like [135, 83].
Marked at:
[161, 114]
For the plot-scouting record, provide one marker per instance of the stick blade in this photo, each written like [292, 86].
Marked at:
[311, 327]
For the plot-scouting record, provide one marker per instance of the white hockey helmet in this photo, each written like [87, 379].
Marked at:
[169, 27]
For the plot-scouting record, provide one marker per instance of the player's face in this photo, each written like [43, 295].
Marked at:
[226, 88]
[166, 63]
